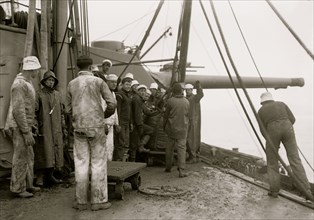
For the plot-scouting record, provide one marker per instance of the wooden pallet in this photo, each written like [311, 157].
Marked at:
[120, 172]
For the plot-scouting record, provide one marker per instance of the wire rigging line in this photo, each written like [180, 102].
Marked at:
[124, 26]
[246, 44]
[229, 74]
[290, 29]
[306, 159]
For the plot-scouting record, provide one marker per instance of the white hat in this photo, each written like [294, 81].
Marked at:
[94, 68]
[31, 63]
[153, 86]
[148, 92]
[134, 82]
[266, 96]
[112, 77]
[107, 61]
[188, 86]
[141, 87]
[128, 75]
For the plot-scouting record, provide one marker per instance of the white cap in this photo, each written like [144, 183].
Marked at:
[112, 77]
[188, 86]
[266, 96]
[107, 61]
[148, 92]
[134, 82]
[94, 68]
[153, 86]
[31, 63]
[128, 75]
[141, 87]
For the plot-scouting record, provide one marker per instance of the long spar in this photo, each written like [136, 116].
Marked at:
[144, 38]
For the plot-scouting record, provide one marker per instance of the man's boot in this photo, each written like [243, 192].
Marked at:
[40, 179]
[142, 149]
[100, 206]
[53, 178]
[182, 174]
[191, 160]
[25, 194]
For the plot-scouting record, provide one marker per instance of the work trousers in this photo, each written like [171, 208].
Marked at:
[22, 164]
[191, 141]
[90, 154]
[110, 142]
[138, 139]
[180, 145]
[282, 131]
[122, 142]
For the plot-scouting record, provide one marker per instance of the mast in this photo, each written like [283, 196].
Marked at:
[61, 11]
[186, 21]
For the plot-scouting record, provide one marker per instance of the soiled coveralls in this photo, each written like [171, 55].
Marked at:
[278, 120]
[110, 122]
[194, 133]
[84, 101]
[20, 120]
[176, 119]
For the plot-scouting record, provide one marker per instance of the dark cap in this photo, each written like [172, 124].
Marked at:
[84, 61]
[177, 89]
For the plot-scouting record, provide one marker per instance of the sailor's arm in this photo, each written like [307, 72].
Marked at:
[68, 102]
[199, 91]
[108, 97]
[18, 110]
[290, 115]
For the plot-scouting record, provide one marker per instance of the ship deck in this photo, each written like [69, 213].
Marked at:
[210, 194]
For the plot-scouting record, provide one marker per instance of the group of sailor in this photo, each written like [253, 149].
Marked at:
[112, 119]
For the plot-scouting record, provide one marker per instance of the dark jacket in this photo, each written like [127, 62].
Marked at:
[137, 110]
[124, 107]
[176, 117]
[273, 111]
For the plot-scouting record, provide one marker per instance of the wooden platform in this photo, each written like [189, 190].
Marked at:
[120, 172]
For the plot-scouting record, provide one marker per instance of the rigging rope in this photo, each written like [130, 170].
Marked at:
[290, 29]
[247, 46]
[305, 159]
[306, 192]
[229, 74]
[124, 26]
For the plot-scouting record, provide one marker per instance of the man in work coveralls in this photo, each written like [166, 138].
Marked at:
[19, 123]
[193, 142]
[176, 122]
[84, 103]
[112, 122]
[278, 120]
